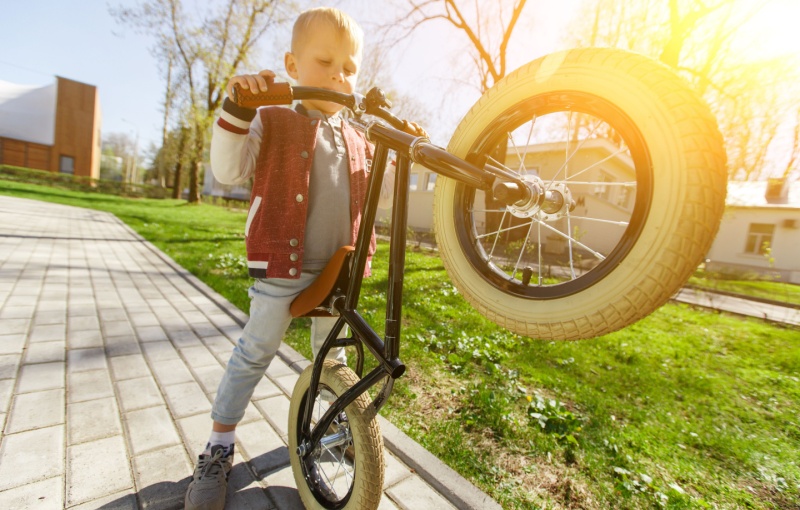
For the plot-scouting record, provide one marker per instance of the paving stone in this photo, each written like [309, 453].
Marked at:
[276, 411]
[282, 491]
[395, 471]
[45, 352]
[43, 495]
[117, 328]
[37, 455]
[16, 312]
[209, 377]
[186, 399]
[205, 328]
[195, 431]
[13, 327]
[93, 419]
[81, 360]
[52, 305]
[287, 382]
[11, 343]
[121, 346]
[139, 394]
[48, 332]
[171, 371]
[162, 477]
[117, 313]
[233, 332]
[219, 344]
[96, 469]
[262, 446]
[43, 376]
[83, 323]
[36, 410]
[183, 337]
[124, 500]
[50, 317]
[279, 369]
[266, 388]
[84, 339]
[129, 367]
[150, 429]
[88, 386]
[144, 319]
[9, 364]
[244, 491]
[159, 351]
[6, 386]
[198, 356]
[413, 493]
[81, 310]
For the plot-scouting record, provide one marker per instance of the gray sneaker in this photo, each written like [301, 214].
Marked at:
[209, 485]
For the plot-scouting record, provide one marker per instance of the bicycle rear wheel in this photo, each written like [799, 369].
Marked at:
[347, 472]
[638, 164]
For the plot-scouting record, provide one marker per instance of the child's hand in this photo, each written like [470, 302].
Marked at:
[254, 82]
[415, 129]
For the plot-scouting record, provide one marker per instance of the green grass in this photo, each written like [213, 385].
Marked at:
[685, 409]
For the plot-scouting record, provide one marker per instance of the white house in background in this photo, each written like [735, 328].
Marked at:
[213, 188]
[760, 231]
[602, 192]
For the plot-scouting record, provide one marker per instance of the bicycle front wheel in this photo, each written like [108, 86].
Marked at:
[635, 167]
[346, 470]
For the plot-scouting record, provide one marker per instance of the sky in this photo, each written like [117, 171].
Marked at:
[80, 40]
[42, 39]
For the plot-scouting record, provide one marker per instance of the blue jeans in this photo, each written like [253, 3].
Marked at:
[260, 340]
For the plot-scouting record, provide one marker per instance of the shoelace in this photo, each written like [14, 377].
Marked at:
[210, 462]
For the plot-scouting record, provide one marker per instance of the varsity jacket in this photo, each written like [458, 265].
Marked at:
[276, 221]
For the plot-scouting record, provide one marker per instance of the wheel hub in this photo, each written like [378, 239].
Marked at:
[547, 202]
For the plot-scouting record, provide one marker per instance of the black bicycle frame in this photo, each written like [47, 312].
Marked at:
[407, 148]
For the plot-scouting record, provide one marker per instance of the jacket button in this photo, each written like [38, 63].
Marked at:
[304, 154]
[313, 122]
[293, 257]
[299, 198]
[292, 272]
[293, 242]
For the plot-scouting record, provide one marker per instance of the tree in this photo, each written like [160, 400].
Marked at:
[694, 38]
[488, 30]
[202, 54]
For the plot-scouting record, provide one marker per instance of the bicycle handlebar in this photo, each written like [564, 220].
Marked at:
[509, 188]
[282, 93]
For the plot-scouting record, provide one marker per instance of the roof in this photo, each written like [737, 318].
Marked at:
[28, 112]
[753, 194]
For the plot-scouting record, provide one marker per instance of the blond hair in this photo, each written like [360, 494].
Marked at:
[336, 18]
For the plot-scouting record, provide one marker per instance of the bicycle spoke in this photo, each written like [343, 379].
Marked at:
[600, 256]
[601, 220]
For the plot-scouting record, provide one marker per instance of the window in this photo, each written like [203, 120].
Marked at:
[624, 197]
[602, 190]
[759, 238]
[412, 182]
[431, 182]
[66, 165]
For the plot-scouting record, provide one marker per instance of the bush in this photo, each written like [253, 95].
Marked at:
[79, 183]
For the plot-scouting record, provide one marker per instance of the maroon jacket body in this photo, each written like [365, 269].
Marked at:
[276, 222]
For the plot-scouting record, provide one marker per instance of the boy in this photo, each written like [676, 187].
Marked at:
[310, 181]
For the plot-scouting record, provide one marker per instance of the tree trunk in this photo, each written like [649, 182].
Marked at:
[196, 164]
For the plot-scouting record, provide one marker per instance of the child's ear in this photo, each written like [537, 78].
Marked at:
[290, 63]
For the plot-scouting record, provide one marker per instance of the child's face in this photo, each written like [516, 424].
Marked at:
[327, 59]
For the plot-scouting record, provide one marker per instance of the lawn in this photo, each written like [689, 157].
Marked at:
[685, 409]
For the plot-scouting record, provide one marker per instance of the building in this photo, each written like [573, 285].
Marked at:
[604, 195]
[760, 231]
[55, 127]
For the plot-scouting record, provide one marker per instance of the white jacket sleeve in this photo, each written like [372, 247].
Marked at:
[235, 143]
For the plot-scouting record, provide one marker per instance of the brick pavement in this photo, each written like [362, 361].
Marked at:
[110, 355]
